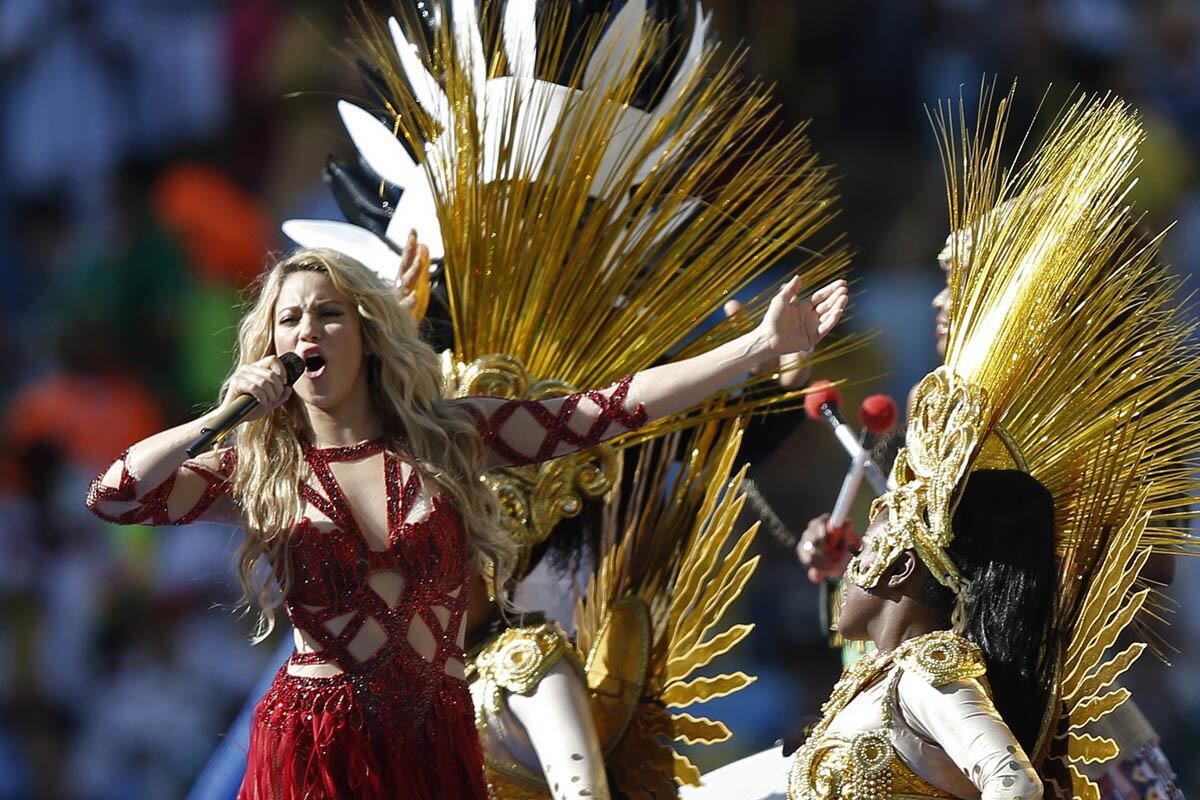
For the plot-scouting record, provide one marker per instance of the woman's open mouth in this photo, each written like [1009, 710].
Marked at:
[314, 366]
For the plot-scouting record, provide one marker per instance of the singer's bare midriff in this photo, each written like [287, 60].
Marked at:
[370, 639]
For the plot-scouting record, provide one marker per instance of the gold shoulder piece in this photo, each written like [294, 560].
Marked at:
[534, 498]
[941, 657]
[519, 658]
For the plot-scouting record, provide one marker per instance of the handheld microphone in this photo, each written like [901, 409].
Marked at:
[242, 405]
[878, 413]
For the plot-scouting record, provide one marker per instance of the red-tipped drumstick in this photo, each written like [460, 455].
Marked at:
[878, 414]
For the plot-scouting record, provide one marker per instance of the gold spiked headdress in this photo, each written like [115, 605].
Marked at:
[582, 238]
[943, 435]
[1062, 326]
[1068, 358]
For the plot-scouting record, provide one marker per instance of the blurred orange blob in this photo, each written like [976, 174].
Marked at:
[86, 418]
[225, 231]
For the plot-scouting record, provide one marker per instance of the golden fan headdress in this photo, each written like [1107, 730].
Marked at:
[1063, 330]
[583, 238]
[1068, 358]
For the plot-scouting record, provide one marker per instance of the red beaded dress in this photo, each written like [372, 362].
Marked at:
[396, 722]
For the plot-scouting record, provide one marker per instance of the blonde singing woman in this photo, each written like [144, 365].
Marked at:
[359, 487]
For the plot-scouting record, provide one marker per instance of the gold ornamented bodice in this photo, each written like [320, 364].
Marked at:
[864, 765]
[515, 660]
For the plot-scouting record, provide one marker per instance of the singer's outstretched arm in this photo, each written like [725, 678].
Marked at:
[527, 431]
[155, 483]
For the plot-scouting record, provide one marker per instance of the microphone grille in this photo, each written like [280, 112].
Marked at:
[293, 365]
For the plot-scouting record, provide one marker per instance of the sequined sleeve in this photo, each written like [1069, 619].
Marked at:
[960, 718]
[127, 503]
[521, 432]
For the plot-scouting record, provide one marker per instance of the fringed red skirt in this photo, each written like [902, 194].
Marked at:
[370, 736]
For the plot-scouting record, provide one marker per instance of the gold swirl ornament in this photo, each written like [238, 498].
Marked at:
[533, 499]
[840, 768]
[948, 421]
[941, 657]
[519, 658]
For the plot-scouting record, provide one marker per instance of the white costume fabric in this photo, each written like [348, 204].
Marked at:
[943, 732]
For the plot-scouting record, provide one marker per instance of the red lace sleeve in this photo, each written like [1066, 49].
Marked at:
[522, 432]
[150, 508]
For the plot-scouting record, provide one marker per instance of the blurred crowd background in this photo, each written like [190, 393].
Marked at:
[148, 151]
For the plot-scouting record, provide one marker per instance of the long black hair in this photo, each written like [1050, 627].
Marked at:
[1004, 548]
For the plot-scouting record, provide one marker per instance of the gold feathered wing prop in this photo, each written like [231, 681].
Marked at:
[1065, 318]
[653, 614]
[1087, 676]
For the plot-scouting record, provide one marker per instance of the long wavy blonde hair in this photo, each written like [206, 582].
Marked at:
[405, 382]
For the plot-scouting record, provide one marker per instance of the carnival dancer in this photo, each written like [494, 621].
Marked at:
[650, 621]
[1141, 765]
[1042, 464]
[1045, 434]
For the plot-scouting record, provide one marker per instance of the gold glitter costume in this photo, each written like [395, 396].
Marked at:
[651, 619]
[862, 764]
[1069, 359]
[582, 238]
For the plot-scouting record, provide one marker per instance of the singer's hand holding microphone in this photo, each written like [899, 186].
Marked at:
[264, 380]
[254, 391]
